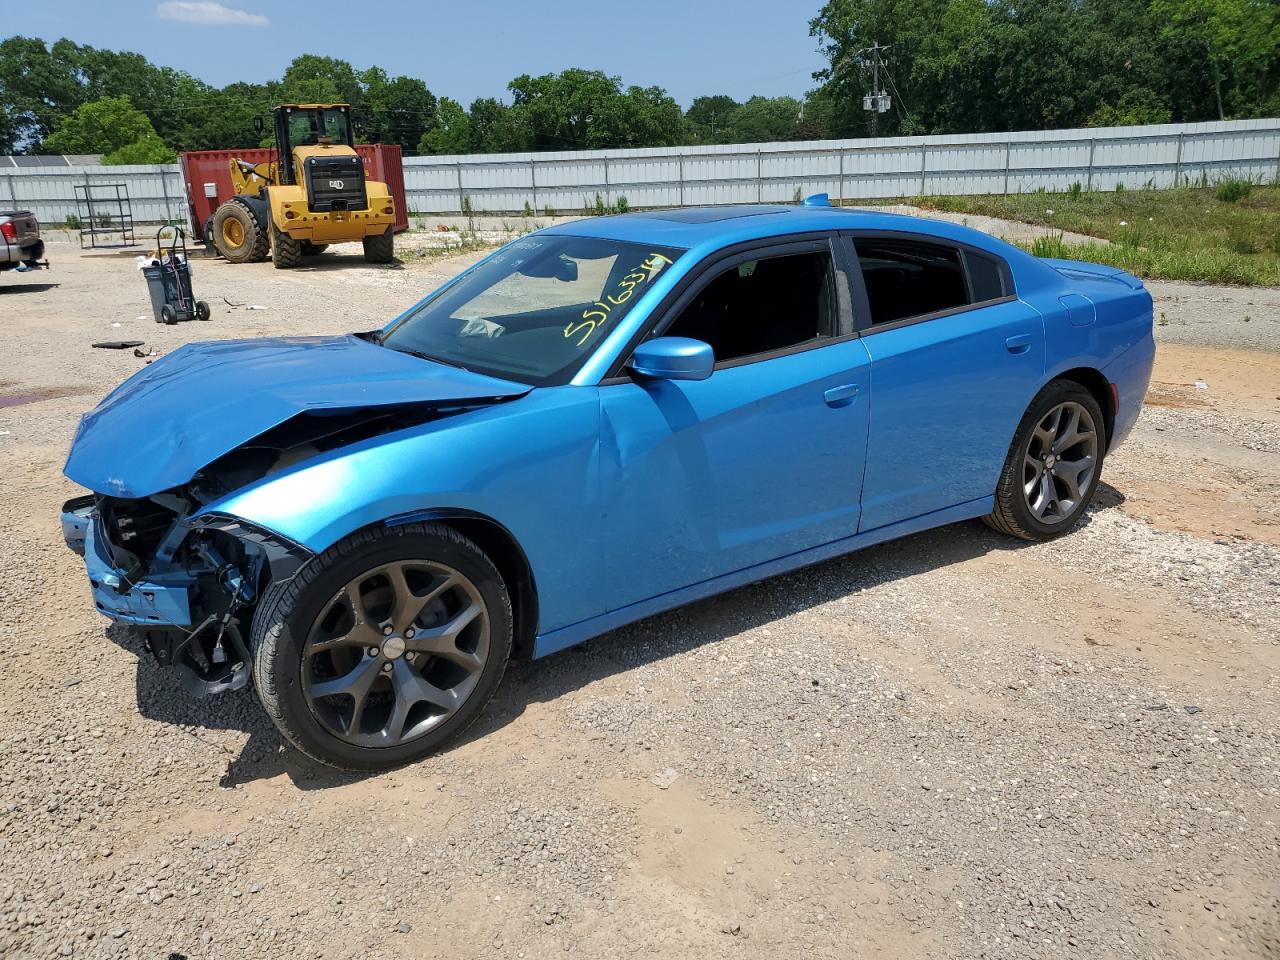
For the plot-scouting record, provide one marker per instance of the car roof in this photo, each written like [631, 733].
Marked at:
[713, 227]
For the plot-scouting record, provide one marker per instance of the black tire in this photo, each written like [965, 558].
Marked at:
[252, 235]
[1013, 514]
[288, 611]
[380, 248]
[286, 252]
[168, 315]
[310, 249]
[202, 310]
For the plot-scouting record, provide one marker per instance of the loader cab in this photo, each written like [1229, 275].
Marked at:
[310, 125]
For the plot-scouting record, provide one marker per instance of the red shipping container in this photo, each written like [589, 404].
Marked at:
[208, 177]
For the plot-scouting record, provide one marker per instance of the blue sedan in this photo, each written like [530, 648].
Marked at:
[600, 421]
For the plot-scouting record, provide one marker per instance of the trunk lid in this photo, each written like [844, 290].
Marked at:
[1091, 272]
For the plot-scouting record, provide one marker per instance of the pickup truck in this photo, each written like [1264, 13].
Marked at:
[20, 243]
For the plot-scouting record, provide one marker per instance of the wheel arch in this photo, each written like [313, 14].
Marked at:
[1093, 380]
[501, 546]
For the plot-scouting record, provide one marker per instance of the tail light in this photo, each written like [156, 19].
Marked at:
[9, 231]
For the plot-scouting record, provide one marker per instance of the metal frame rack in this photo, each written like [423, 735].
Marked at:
[102, 213]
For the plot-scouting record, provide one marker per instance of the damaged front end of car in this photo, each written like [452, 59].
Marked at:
[189, 583]
[208, 421]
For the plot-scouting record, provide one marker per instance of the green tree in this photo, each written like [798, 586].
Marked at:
[1134, 107]
[147, 149]
[587, 110]
[495, 128]
[38, 87]
[708, 118]
[1239, 41]
[764, 120]
[395, 110]
[314, 79]
[452, 133]
[102, 126]
[980, 65]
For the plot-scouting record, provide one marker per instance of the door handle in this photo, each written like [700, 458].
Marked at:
[1020, 343]
[841, 396]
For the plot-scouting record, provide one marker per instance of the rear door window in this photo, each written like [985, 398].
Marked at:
[906, 278]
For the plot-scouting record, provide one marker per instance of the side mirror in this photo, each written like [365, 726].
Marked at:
[257, 124]
[673, 358]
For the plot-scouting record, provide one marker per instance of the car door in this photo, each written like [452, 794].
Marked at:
[762, 459]
[956, 358]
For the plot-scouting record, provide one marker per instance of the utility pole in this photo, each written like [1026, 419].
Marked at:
[878, 100]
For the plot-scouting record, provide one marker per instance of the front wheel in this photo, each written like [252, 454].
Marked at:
[1053, 466]
[286, 252]
[384, 647]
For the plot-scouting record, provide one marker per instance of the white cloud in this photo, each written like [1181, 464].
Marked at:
[206, 13]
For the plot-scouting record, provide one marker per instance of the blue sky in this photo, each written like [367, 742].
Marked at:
[464, 48]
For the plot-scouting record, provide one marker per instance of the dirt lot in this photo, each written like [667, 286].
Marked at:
[953, 745]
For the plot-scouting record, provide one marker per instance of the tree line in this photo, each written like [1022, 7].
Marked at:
[953, 66]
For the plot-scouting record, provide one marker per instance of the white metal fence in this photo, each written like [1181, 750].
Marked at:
[156, 191]
[1098, 159]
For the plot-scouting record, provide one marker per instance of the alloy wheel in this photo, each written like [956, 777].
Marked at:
[1060, 462]
[395, 653]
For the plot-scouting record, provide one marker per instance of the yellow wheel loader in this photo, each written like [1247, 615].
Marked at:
[311, 195]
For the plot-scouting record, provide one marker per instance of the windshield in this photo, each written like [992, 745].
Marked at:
[317, 126]
[535, 310]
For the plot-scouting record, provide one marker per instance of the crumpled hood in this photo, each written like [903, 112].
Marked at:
[159, 427]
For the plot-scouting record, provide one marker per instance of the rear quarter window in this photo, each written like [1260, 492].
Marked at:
[986, 277]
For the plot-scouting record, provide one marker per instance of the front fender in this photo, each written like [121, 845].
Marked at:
[531, 466]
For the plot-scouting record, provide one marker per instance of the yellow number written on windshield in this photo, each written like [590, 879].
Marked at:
[598, 313]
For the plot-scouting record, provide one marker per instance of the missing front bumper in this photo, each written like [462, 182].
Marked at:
[147, 603]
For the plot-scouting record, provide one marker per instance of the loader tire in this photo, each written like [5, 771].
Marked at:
[238, 233]
[286, 252]
[380, 248]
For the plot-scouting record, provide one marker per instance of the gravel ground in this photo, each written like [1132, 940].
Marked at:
[952, 745]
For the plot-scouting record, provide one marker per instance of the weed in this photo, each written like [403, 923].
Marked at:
[620, 205]
[1242, 242]
[1051, 246]
[528, 210]
[1172, 234]
[1119, 187]
[549, 213]
[75, 223]
[1233, 190]
[470, 214]
[1075, 190]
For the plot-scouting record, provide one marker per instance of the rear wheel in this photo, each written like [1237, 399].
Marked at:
[1053, 466]
[168, 314]
[238, 234]
[380, 248]
[202, 310]
[384, 647]
[286, 252]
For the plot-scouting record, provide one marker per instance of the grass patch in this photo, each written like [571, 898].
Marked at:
[1183, 234]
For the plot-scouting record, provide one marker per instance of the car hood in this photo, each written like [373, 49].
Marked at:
[159, 427]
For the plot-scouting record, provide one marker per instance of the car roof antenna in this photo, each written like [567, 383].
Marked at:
[817, 200]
